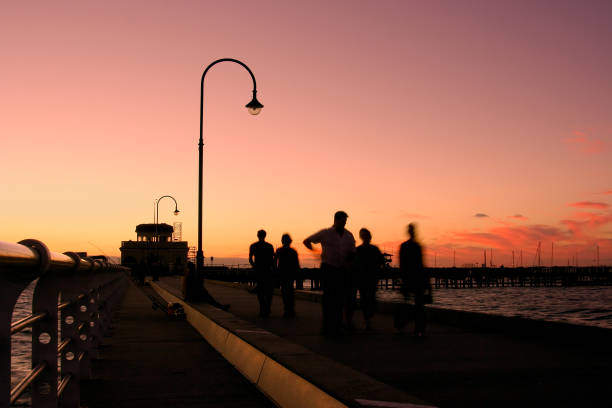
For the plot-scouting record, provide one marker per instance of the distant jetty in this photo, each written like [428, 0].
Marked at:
[464, 278]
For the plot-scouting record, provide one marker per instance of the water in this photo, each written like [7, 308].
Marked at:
[21, 343]
[583, 305]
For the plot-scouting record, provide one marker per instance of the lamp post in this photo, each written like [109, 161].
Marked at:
[156, 220]
[254, 107]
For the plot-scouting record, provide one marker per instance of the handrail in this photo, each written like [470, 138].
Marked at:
[21, 324]
[62, 385]
[68, 331]
[22, 257]
[27, 321]
[26, 381]
[63, 344]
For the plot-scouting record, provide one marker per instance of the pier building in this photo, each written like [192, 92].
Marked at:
[154, 244]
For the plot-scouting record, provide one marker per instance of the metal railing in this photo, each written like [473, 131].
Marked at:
[72, 304]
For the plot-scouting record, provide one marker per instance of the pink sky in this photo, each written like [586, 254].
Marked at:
[394, 111]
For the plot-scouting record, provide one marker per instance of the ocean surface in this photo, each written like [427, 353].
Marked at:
[582, 305]
[21, 343]
[585, 305]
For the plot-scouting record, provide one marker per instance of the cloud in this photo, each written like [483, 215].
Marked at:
[575, 236]
[587, 222]
[609, 192]
[585, 143]
[580, 228]
[481, 215]
[589, 204]
[405, 214]
[518, 217]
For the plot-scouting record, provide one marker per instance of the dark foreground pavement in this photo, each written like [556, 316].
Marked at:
[152, 361]
[452, 366]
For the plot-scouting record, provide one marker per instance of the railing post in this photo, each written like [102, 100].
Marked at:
[44, 334]
[12, 283]
[85, 345]
[71, 288]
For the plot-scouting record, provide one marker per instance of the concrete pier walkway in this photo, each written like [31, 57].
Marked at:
[452, 367]
[152, 361]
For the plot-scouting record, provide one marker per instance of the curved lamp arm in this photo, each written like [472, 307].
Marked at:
[254, 108]
[176, 211]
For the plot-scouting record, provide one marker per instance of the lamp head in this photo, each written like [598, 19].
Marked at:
[176, 212]
[254, 107]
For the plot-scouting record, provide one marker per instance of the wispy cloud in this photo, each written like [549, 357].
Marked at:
[481, 215]
[582, 226]
[584, 143]
[590, 204]
[518, 217]
[609, 192]
[405, 214]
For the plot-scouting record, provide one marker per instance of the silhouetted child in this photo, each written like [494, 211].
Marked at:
[368, 261]
[261, 258]
[288, 266]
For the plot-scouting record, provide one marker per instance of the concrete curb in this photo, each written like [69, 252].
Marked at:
[276, 366]
[282, 386]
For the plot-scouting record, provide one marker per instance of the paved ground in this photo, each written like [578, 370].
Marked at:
[152, 361]
[452, 366]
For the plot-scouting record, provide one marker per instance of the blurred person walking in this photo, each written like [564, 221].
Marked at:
[415, 283]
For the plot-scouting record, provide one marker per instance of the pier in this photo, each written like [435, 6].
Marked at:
[459, 278]
[135, 356]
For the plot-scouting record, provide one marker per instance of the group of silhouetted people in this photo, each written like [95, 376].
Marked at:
[345, 269]
[267, 265]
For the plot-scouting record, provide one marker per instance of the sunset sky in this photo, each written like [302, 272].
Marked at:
[489, 123]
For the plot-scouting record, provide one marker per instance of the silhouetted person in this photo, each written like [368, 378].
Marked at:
[415, 282]
[189, 284]
[368, 261]
[288, 267]
[338, 249]
[261, 258]
[155, 270]
[141, 272]
[193, 288]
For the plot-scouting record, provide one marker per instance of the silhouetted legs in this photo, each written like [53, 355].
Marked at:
[350, 304]
[332, 281]
[419, 315]
[367, 300]
[288, 297]
[265, 291]
[406, 312]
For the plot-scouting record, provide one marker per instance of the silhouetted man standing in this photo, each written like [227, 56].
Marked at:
[261, 258]
[288, 266]
[368, 262]
[338, 248]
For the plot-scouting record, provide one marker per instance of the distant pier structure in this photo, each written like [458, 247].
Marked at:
[155, 245]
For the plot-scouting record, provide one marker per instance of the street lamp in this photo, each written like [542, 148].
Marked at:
[156, 220]
[254, 107]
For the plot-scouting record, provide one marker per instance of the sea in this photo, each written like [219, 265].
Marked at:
[581, 305]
